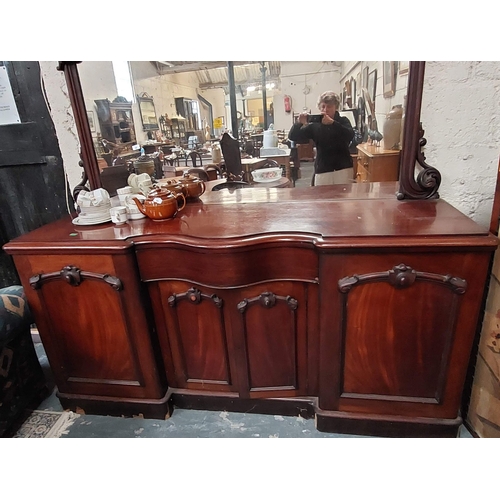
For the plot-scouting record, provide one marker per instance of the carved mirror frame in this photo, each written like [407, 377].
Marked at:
[146, 125]
[417, 180]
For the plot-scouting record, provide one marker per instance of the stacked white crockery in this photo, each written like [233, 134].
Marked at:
[141, 184]
[94, 207]
[133, 211]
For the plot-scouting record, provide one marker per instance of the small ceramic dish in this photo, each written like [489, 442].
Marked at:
[266, 174]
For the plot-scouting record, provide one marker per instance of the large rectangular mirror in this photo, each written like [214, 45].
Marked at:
[272, 92]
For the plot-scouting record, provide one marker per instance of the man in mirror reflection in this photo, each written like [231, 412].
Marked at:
[331, 136]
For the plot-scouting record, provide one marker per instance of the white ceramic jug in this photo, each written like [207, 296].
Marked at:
[270, 139]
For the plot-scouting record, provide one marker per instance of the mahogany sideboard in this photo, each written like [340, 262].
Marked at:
[334, 302]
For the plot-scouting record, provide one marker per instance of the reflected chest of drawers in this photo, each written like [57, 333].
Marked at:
[375, 164]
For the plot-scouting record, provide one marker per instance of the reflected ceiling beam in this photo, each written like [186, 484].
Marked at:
[171, 67]
[243, 83]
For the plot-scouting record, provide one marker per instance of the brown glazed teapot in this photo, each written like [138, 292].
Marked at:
[193, 186]
[173, 185]
[161, 204]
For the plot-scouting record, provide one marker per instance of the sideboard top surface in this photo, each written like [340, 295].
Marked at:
[301, 215]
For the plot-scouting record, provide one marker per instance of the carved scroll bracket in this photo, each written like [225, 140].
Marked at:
[267, 300]
[194, 296]
[403, 276]
[74, 277]
[427, 182]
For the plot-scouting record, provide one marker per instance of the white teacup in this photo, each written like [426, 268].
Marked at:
[119, 214]
[132, 181]
[124, 190]
[96, 198]
[135, 180]
[143, 177]
[145, 186]
[132, 210]
[123, 193]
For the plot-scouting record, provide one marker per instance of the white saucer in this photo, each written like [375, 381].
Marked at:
[85, 222]
[95, 210]
[93, 218]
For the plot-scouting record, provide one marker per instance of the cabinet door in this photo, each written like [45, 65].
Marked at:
[271, 335]
[194, 336]
[406, 325]
[92, 322]
[251, 340]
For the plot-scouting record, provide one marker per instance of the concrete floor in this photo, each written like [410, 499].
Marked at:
[187, 423]
[306, 171]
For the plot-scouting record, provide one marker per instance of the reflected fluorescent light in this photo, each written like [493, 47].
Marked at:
[270, 86]
[250, 89]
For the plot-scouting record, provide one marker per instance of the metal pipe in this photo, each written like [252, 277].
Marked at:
[264, 96]
[232, 98]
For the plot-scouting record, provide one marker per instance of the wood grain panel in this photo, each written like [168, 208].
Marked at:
[237, 267]
[396, 358]
[91, 350]
[397, 342]
[197, 335]
[271, 350]
[97, 338]
[305, 219]
[275, 336]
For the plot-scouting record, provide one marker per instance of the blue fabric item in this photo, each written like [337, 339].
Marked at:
[14, 312]
[22, 383]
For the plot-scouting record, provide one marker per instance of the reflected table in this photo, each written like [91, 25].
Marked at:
[283, 160]
[250, 164]
[282, 182]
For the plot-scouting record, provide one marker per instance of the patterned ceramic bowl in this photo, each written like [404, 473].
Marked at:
[266, 174]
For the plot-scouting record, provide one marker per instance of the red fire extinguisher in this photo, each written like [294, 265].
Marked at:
[288, 103]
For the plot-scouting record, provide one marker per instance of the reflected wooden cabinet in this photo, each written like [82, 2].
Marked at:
[178, 131]
[116, 121]
[306, 151]
[375, 164]
[188, 108]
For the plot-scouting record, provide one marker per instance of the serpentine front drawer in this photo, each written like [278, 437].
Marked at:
[227, 267]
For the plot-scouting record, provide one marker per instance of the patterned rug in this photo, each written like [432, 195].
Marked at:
[46, 424]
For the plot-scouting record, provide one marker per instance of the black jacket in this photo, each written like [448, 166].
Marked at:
[332, 142]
